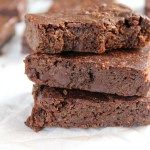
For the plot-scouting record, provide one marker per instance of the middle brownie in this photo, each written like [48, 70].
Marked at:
[123, 73]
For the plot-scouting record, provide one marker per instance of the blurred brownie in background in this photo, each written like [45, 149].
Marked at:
[13, 8]
[7, 29]
[147, 8]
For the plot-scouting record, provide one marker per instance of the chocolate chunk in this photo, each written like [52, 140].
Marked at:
[61, 6]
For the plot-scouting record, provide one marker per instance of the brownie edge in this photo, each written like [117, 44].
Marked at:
[81, 109]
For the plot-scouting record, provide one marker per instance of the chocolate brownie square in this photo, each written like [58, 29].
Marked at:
[25, 47]
[95, 28]
[124, 73]
[7, 29]
[13, 8]
[61, 6]
[81, 109]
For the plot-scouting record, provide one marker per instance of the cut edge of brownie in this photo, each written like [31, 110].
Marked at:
[18, 10]
[121, 73]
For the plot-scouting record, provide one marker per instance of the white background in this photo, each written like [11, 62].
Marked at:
[16, 103]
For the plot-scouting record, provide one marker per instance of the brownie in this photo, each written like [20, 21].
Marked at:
[81, 109]
[94, 29]
[61, 6]
[124, 73]
[7, 29]
[13, 8]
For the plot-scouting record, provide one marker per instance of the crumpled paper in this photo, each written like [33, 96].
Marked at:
[16, 104]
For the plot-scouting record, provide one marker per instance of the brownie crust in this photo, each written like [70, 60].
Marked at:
[95, 29]
[124, 73]
[81, 109]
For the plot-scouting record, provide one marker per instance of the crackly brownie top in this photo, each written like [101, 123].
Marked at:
[132, 59]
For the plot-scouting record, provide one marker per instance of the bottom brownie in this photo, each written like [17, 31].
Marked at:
[82, 109]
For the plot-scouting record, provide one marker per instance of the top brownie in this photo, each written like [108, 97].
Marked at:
[96, 28]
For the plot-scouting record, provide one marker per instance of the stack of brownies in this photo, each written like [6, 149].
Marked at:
[90, 65]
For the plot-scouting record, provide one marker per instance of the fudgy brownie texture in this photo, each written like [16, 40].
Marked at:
[123, 73]
[101, 27]
[81, 109]
[7, 29]
[62, 6]
[13, 8]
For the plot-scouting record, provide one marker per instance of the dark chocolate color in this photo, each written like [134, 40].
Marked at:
[124, 73]
[94, 28]
[81, 109]
[147, 8]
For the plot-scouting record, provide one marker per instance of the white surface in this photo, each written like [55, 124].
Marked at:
[16, 103]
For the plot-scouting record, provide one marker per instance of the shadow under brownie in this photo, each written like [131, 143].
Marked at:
[81, 109]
